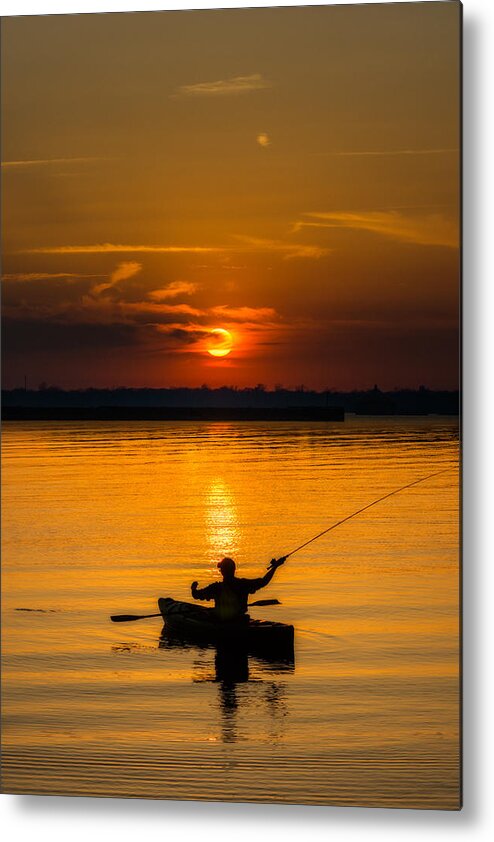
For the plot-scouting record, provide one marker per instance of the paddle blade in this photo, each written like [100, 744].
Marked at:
[128, 618]
[265, 602]
[123, 618]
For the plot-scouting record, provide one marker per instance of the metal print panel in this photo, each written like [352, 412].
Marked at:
[230, 397]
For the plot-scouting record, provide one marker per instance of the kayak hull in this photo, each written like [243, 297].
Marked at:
[194, 623]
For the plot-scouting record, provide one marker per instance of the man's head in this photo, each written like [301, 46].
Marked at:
[227, 567]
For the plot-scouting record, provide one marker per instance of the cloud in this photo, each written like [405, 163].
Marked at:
[263, 140]
[188, 327]
[225, 87]
[103, 310]
[421, 229]
[387, 153]
[172, 324]
[173, 290]
[244, 314]
[288, 250]
[121, 273]
[43, 162]
[94, 309]
[182, 309]
[184, 338]
[112, 248]
[44, 276]
[162, 309]
[189, 337]
[125, 271]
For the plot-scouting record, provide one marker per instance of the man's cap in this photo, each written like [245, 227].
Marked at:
[227, 564]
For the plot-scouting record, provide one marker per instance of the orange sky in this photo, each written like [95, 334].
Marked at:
[289, 175]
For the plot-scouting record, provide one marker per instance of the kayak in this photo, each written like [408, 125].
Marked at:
[195, 623]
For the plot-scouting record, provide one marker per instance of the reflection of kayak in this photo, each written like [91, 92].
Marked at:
[195, 623]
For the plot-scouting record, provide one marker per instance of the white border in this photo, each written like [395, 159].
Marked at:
[60, 819]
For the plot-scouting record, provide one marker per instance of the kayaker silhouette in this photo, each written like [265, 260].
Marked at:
[231, 595]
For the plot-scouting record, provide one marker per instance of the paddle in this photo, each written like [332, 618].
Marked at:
[129, 618]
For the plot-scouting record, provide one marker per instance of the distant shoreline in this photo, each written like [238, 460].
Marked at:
[172, 413]
[223, 404]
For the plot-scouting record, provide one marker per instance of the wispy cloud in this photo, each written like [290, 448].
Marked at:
[424, 229]
[225, 87]
[173, 290]
[245, 244]
[45, 276]
[46, 162]
[91, 309]
[154, 313]
[244, 314]
[125, 271]
[287, 250]
[114, 248]
[121, 273]
[386, 153]
[180, 309]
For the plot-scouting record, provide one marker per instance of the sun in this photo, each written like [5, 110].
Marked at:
[220, 342]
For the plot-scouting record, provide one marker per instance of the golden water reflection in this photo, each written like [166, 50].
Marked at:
[221, 520]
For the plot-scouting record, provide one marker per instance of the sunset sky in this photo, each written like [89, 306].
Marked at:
[287, 175]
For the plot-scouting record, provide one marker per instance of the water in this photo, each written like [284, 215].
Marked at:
[102, 518]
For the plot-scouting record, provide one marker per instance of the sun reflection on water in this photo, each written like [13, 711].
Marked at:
[221, 520]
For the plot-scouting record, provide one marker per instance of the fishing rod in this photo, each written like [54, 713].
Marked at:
[364, 508]
[125, 618]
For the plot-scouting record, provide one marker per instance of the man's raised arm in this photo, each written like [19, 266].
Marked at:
[275, 563]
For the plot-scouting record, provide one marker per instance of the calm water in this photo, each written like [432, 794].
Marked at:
[102, 518]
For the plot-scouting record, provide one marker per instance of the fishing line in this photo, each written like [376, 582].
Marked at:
[374, 503]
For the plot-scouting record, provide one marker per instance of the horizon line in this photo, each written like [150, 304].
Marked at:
[259, 387]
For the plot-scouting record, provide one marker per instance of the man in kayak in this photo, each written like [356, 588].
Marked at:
[230, 596]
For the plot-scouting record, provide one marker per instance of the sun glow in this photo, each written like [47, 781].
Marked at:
[220, 342]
